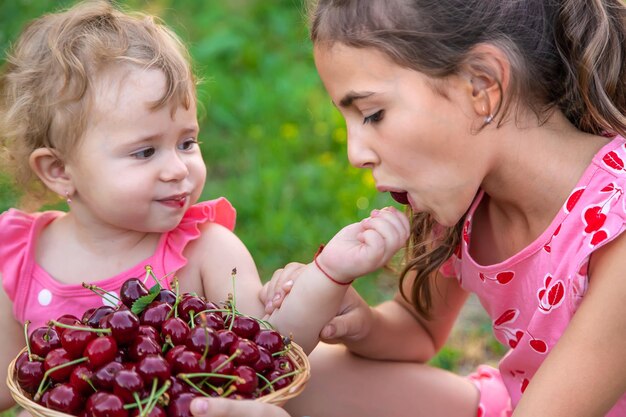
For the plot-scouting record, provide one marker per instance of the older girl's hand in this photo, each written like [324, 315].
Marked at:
[224, 407]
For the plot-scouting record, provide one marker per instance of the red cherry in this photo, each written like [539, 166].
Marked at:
[179, 406]
[68, 319]
[125, 383]
[270, 340]
[169, 356]
[101, 351]
[54, 358]
[212, 320]
[103, 377]
[248, 352]
[94, 319]
[141, 347]
[220, 364]
[227, 339]
[65, 398]
[29, 373]
[186, 361]
[131, 290]
[213, 308]
[80, 377]
[155, 314]
[175, 330]
[154, 366]
[166, 296]
[42, 340]
[190, 305]
[74, 341]
[124, 326]
[145, 330]
[203, 340]
[178, 387]
[108, 405]
[247, 382]
[277, 379]
[265, 362]
[244, 326]
[283, 364]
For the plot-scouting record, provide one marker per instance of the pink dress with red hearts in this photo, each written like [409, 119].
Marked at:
[532, 296]
[38, 297]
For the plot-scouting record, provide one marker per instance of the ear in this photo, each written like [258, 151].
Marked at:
[488, 70]
[51, 170]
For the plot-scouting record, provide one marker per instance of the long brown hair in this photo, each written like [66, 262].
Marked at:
[567, 54]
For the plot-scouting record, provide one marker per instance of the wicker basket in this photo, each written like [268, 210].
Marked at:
[279, 397]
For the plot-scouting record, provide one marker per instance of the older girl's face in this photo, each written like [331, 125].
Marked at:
[416, 139]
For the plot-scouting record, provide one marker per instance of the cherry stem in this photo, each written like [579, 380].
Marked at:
[30, 356]
[192, 319]
[267, 381]
[286, 350]
[101, 291]
[177, 301]
[85, 328]
[152, 399]
[229, 390]
[54, 369]
[283, 376]
[138, 402]
[197, 388]
[158, 395]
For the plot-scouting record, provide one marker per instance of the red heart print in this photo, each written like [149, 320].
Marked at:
[539, 345]
[573, 199]
[505, 277]
[507, 317]
[598, 237]
[525, 383]
[612, 160]
[513, 342]
[594, 218]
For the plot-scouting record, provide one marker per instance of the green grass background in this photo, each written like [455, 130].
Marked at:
[273, 143]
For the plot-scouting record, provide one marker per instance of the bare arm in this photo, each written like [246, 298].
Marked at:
[371, 331]
[13, 342]
[354, 251]
[585, 373]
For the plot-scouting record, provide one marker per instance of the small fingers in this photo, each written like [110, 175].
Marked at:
[280, 285]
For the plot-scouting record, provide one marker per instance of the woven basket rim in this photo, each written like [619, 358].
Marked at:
[278, 397]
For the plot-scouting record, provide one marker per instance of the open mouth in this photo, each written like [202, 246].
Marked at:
[400, 197]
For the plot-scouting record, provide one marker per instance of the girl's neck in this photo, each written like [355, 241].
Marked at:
[96, 251]
[536, 170]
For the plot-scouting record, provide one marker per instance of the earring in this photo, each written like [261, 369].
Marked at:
[68, 200]
[488, 119]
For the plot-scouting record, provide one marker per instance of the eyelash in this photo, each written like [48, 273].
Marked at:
[185, 146]
[374, 118]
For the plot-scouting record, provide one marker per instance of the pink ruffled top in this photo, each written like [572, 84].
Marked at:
[38, 297]
[532, 296]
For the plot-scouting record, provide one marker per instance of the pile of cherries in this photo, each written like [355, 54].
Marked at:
[152, 355]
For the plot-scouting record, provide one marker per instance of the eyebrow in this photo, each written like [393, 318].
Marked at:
[190, 130]
[352, 96]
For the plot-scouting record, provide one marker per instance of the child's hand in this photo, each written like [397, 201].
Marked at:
[352, 323]
[363, 247]
[274, 291]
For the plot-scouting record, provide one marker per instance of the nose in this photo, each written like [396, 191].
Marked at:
[174, 167]
[360, 154]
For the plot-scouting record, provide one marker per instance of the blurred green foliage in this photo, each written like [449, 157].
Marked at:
[273, 143]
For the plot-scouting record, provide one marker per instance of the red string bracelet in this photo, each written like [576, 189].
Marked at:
[319, 250]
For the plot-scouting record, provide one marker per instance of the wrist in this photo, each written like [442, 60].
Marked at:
[328, 272]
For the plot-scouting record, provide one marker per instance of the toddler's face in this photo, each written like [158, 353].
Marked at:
[416, 140]
[136, 168]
